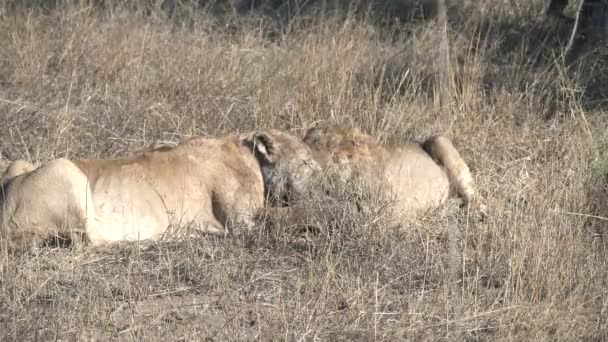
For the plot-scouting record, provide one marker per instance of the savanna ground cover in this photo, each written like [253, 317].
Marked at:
[79, 80]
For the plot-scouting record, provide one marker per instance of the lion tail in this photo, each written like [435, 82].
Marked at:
[443, 152]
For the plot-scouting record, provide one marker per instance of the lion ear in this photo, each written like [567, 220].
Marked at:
[262, 145]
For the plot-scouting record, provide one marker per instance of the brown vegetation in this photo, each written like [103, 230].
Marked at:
[76, 81]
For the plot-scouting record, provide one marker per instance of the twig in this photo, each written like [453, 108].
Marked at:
[575, 28]
[585, 215]
[443, 64]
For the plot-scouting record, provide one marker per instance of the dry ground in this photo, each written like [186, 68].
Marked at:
[75, 82]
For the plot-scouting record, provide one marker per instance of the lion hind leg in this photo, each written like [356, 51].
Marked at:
[43, 204]
[443, 151]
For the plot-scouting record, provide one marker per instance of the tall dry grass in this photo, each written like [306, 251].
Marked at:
[76, 81]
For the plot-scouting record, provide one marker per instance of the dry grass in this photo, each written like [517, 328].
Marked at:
[76, 83]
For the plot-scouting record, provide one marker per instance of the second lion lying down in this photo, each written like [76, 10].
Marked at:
[202, 182]
[412, 177]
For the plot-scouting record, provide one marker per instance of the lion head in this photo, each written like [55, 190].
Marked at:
[347, 151]
[287, 163]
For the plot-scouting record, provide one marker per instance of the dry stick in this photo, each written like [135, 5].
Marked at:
[443, 64]
[443, 78]
[579, 8]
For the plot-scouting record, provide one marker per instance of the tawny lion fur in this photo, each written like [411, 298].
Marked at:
[201, 182]
[413, 177]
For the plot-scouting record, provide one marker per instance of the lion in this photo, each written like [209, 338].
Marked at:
[203, 183]
[413, 177]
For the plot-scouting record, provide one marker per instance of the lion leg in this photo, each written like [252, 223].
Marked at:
[212, 228]
[209, 226]
[18, 240]
[46, 202]
[443, 151]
